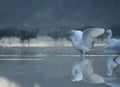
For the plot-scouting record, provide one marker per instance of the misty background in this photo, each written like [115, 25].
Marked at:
[47, 15]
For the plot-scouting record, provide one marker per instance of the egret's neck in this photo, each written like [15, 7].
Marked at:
[109, 37]
[75, 40]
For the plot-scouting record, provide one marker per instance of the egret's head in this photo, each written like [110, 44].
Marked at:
[72, 33]
[108, 32]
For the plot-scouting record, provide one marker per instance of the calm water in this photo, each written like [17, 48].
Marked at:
[44, 67]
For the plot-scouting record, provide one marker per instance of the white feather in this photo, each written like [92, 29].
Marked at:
[90, 34]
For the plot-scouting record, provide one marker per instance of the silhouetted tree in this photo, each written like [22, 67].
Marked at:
[26, 34]
[8, 33]
[60, 33]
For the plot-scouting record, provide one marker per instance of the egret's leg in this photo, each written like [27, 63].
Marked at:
[112, 65]
[89, 56]
[84, 55]
[81, 55]
[88, 53]
[93, 44]
[115, 70]
[117, 65]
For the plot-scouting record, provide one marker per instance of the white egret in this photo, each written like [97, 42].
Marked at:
[112, 47]
[83, 41]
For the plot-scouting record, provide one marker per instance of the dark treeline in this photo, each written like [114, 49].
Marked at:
[62, 32]
[23, 33]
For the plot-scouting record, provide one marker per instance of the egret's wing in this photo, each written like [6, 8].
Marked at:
[112, 48]
[102, 38]
[91, 33]
[76, 72]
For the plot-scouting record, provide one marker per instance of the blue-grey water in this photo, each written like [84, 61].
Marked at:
[45, 66]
